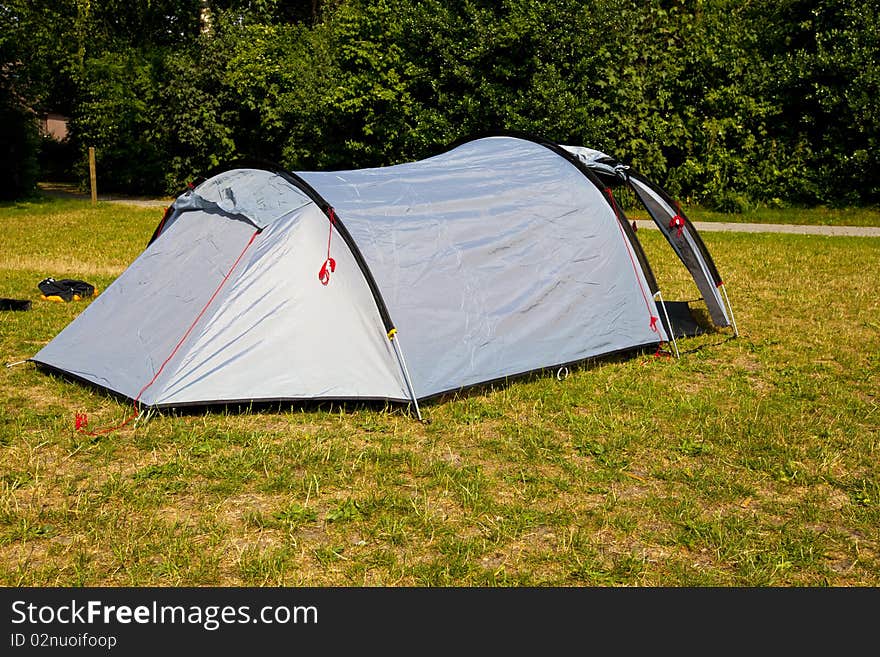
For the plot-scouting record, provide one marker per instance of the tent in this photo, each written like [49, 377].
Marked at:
[500, 257]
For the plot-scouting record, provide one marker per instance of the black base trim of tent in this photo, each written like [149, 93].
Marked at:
[538, 373]
[69, 376]
[219, 403]
[317, 402]
[275, 401]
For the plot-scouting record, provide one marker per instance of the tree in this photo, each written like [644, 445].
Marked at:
[20, 94]
[727, 103]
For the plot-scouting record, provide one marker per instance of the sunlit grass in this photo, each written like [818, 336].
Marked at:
[748, 462]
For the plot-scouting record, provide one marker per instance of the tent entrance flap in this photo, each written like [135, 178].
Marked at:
[683, 238]
[678, 230]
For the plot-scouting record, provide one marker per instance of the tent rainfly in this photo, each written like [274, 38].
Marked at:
[502, 256]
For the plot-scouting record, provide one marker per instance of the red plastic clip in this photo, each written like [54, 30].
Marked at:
[677, 222]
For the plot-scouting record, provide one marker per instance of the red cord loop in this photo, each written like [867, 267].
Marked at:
[329, 265]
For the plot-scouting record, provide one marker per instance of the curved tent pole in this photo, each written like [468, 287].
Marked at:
[336, 223]
[730, 310]
[606, 193]
[672, 203]
[697, 258]
[630, 238]
[658, 295]
[697, 249]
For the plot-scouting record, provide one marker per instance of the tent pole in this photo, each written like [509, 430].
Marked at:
[658, 295]
[729, 309]
[391, 335]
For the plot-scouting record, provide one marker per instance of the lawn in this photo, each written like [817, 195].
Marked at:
[749, 461]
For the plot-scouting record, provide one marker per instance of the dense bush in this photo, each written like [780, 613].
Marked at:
[117, 116]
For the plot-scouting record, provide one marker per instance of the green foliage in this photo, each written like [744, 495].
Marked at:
[274, 79]
[730, 105]
[39, 52]
[825, 58]
[26, 47]
[368, 106]
[190, 122]
[114, 117]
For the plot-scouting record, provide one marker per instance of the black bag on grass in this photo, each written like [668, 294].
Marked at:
[65, 289]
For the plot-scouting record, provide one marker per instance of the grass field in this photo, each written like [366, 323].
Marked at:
[752, 461]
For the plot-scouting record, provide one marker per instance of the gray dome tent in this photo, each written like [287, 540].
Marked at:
[499, 257]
